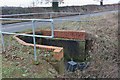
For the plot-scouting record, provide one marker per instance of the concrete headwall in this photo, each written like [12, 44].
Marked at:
[67, 34]
[57, 49]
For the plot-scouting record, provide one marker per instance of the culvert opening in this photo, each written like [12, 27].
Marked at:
[75, 45]
[73, 49]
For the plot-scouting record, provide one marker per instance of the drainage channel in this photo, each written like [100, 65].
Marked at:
[74, 50]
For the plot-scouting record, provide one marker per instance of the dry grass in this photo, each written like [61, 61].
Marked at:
[0, 66]
[0, 61]
[104, 51]
[17, 62]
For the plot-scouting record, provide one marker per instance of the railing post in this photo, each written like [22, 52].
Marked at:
[52, 28]
[34, 41]
[51, 16]
[2, 38]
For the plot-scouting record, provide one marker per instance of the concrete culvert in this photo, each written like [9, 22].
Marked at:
[69, 44]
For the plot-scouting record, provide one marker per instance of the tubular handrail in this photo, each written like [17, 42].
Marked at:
[43, 20]
[31, 35]
[40, 13]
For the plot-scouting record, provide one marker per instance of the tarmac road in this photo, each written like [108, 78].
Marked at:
[17, 27]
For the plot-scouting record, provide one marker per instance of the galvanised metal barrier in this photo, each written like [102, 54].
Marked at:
[33, 30]
[50, 15]
[51, 20]
[45, 13]
[28, 14]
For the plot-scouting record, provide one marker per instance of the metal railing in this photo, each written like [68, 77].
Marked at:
[51, 20]
[31, 35]
[28, 14]
[50, 16]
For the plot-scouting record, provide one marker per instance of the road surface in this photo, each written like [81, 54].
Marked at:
[17, 27]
